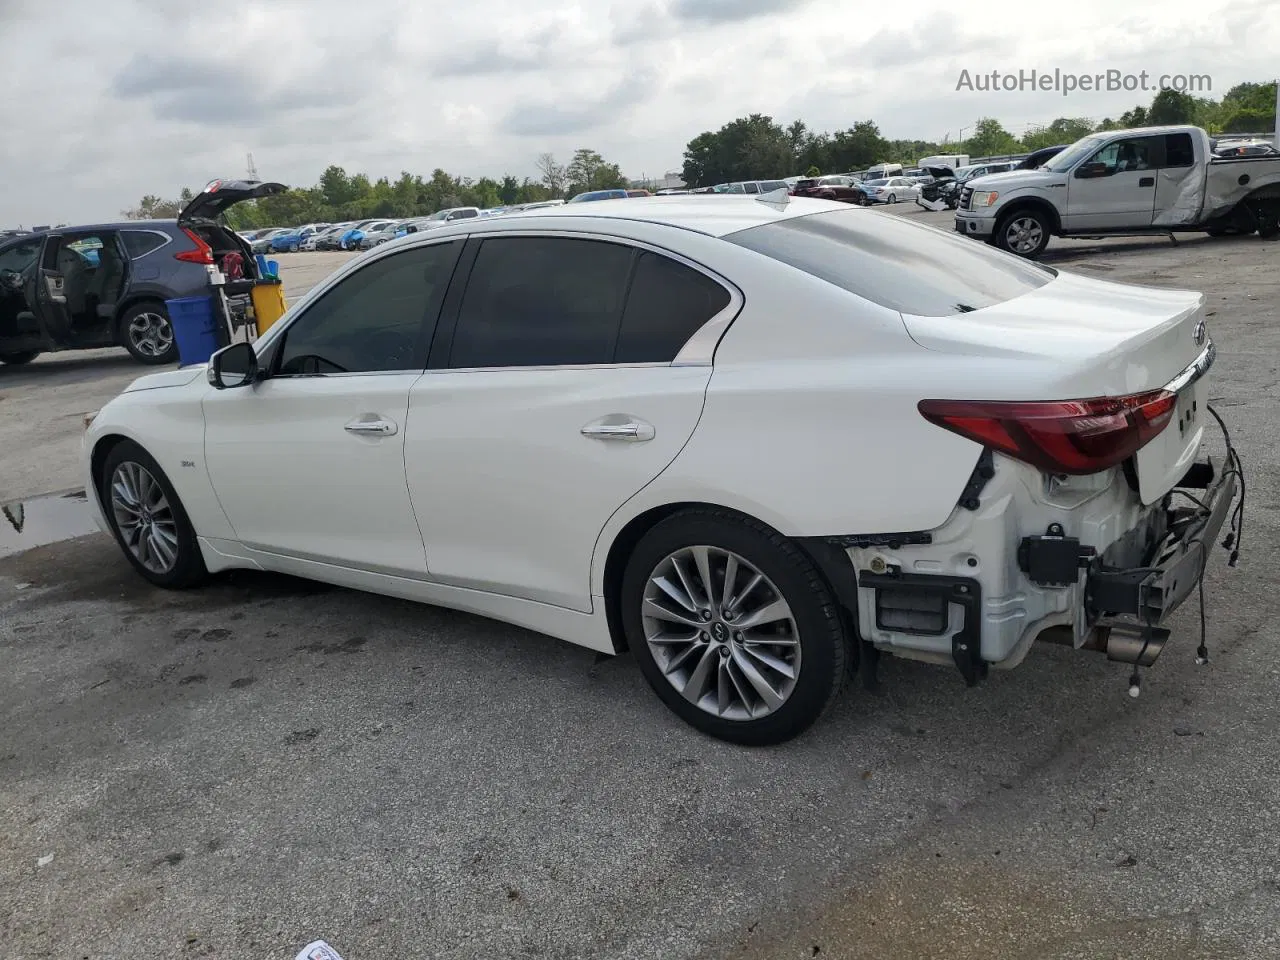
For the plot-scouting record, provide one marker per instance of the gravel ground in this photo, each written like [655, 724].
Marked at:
[237, 771]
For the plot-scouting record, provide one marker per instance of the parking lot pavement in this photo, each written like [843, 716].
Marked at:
[243, 769]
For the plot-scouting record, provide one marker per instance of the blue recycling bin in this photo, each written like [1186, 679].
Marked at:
[195, 328]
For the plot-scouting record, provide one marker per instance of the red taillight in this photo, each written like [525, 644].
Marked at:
[1061, 436]
[203, 253]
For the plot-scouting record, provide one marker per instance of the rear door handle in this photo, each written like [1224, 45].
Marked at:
[630, 431]
[1147, 182]
[379, 428]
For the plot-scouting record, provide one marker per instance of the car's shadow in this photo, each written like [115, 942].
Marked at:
[72, 367]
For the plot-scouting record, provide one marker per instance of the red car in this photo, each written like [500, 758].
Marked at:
[844, 189]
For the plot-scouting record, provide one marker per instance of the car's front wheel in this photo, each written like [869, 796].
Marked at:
[733, 627]
[1024, 232]
[146, 333]
[148, 519]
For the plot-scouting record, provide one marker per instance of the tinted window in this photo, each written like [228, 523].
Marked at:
[896, 263]
[139, 243]
[667, 304]
[372, 320]
[751, 187]
[541, 301]
[1178, 150]
[20, 256]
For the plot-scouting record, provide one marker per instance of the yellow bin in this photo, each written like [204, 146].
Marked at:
[268, 304]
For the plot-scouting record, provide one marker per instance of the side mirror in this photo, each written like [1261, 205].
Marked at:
[233, 366]
[1088, 171]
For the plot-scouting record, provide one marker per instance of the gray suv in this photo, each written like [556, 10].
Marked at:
[104, 285]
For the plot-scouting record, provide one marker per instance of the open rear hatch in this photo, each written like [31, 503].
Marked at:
[1079, 339]
[200, 217]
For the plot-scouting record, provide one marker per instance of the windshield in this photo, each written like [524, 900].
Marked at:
[440, 215]
[1068, 157]
[876, 183]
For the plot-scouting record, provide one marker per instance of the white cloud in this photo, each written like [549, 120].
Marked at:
[107, 102]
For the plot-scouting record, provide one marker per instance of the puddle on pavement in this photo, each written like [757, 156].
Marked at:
[33, 523]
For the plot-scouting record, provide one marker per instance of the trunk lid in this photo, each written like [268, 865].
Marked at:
[219, 195]
[1076, 338]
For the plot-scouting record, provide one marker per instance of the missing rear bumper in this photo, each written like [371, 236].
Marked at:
[1131, 605]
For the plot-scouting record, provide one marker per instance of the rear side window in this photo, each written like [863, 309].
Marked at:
[901, 265]
[1178, 150]
[667, 304]
[541, 301]
[138, 243]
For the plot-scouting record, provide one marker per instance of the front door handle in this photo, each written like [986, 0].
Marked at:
[630, 431]
[1147, 182]
[378, 428]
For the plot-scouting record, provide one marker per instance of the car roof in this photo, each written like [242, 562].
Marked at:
[714, 215]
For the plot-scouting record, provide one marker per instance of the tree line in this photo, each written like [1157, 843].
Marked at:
[757, 147]
[341, 196]
[749, 148]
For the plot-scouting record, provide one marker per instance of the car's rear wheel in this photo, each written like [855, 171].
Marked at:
[146, 333]
[893, 198]
[19, 358]
[1023, 232]
[148, 519]
[733, 627]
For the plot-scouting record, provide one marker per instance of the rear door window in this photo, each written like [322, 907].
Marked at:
[1178, 150]
[542, 301]
[668, 303]
[898, 264]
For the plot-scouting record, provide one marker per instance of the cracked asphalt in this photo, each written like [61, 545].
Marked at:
[239, 770]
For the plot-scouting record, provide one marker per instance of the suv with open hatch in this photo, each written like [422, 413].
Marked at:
[105, 285]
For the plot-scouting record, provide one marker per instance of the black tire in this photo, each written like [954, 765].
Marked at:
[1004, 233]
[822, 642]
[893, 198]
[18, 359]
[188, 568]
[166, 345]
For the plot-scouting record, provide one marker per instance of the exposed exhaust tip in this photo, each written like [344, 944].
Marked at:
[1136, 645]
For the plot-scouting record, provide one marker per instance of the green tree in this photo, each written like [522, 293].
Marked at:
[589, 171]
[1137, 117]
[1250, 121]
[509, 191]
[1062, 130]
[990, 138]
[1171, 106]
[856, 148]
[336, 187]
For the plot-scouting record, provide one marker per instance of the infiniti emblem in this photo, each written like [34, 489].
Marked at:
[1200, 333]
[720, 632]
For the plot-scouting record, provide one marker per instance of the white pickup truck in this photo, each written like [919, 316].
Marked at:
[1148, 180]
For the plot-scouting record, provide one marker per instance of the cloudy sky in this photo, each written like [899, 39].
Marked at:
[110, 99]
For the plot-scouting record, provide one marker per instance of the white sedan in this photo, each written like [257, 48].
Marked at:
[891, 189]
[755, 442]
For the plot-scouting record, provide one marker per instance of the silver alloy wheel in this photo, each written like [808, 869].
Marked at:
[150, 334]
[893, 198]
[1023, 234]
[144, 517]
[721, 633]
